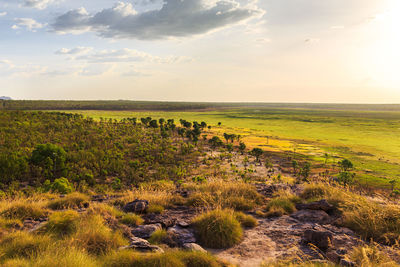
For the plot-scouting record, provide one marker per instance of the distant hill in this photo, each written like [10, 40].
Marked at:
[5, 98]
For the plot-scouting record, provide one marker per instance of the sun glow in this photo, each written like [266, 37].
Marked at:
[383, 54]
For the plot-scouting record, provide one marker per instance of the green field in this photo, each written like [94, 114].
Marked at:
[368, 138]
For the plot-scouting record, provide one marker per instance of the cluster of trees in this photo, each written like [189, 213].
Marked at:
[40, 146]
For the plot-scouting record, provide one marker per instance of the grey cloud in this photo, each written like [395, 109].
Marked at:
[176, 18]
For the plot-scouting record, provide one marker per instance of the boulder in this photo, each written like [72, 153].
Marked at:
[136, 206]
[178, 236]
[312, 216]
[193, 247]
[318, 205]
[321, 239]
[142, 245]
[145, 231]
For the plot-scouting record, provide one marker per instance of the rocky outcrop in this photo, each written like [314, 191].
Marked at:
[145, 231]
[136, 206]
[312, 216]
[179, 236]
[193, 247]
[318, 205]
[142, 245]
[321, 239]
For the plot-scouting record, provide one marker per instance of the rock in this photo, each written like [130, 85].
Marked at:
[145, 231]
[164, 219]
[183, 224]
[193, 247]
[142, 245]
[347, 263]
[180, 236]
[136, 206]
[318, 205]
[313, 216]
[322, 240]
[99, 198]
[334, 257]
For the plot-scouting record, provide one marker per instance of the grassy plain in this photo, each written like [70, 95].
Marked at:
[371, 139]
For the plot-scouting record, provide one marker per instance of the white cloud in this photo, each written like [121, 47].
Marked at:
[120, 55]
[312, 40]
[2, 14]
[74, 51]
[28, 23]
[39, 4]
[176, 18]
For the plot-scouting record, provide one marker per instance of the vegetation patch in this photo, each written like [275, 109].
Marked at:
[131, 219]
[245, 220]
[72, 201]
[63, 223]
[218, 229]
[23, 209]
[23, 244]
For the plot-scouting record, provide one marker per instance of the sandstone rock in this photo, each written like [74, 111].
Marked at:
[145, 231]
[143, 245]
[136, 206]
[322, 240]
[193, 247]
[313, 216]
[318, 205]
[179, 236]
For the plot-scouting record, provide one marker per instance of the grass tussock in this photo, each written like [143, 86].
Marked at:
[128, 258]
[218, 229]
[23, 244]
[10, 223]
[22, 210]
[157, 209]
[63, 223]
[279, 206]
[131, 219]
[161, 198]
[371, 255]
[95, 237]
[245, 220]
[158, 236]
[235, 195]
[72, 201]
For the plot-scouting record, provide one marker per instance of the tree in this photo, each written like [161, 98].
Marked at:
[346, 178]
[305, 171]
[219, 123]
[153, 124]
[392, 184]
[50, 157]
[215, 142]
[242, 147]
[346, 165]
[295, 166]
[257, 152]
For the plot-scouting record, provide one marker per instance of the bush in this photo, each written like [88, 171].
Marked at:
[218, 229]
[63, 257]
[63, 223]
[246, 220]
[60, 185]
[95, 237]
[153, 208]
[131, 219]
[370, 256]
[73, 201]
[158, 236]
[133, 259]
[23, 244]
[23, 210]
[279, 204]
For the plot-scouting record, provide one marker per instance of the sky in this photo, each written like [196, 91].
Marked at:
[321, 51]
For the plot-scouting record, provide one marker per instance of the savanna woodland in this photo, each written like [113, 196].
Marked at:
[82, 190]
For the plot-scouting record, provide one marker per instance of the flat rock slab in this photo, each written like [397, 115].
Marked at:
[145, 231]
[312, 216]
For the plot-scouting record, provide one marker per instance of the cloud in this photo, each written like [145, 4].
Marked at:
[120, 55]
[39, 4]
[28, 23]
[2, 14]
[74, 51]
[176, 18]
[312, 40]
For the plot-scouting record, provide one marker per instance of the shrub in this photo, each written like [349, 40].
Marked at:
[95, 237]
[218, 229]
[23, 210]
[23, 244]
[60, 185]
[71, 201]
[246, 220]
[153, 208]
[123, 258]
[158, 236]
[63, 223]
[131, 219]
[281, 204]
[240, 203]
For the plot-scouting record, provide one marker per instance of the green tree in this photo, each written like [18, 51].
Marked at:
[50, 157]
[257, 152]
